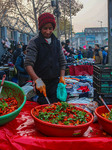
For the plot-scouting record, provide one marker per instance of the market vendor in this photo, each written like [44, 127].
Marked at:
[45, 61]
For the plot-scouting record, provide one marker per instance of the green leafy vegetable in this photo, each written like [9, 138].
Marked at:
[3, 104]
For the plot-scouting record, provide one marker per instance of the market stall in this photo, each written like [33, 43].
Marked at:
[81, 70]
[4, 70]
[9, 71]
[21, 134]
[81, 67]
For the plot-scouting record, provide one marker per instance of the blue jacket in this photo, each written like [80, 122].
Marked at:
[20, 66]
[79, 54]
[104, 53]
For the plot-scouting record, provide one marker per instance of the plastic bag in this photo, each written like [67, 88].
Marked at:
[61, 92]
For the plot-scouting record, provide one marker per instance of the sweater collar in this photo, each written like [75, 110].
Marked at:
[42, 39]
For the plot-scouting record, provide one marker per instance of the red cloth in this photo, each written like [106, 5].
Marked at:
[83, 89]
[81, 70]
[21, 134]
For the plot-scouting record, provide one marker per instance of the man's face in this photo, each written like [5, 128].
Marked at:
[11, 51]
[47, 30]
[96, 47]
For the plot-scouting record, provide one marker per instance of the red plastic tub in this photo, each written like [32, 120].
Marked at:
[105, 123]
[60, 130]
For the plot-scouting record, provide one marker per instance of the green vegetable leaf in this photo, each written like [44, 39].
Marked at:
[3, 104]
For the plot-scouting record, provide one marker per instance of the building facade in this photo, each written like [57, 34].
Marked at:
[90, 36]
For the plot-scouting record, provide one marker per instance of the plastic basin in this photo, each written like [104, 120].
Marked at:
[11, 89]
[104, 123]
[60, 130]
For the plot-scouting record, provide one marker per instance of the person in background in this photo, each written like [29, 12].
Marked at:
[23, 76]
[106, 49]
[80, 53]
[45, 61]
[90, 52]
[98, 54]
[83, 52]
[67, 48]
[64, 50]
[7, 57]
[16, 53]
[104, 53]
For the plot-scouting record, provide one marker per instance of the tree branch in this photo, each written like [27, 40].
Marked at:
[23, 17]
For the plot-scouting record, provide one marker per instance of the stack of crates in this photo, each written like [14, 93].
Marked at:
[102, 83]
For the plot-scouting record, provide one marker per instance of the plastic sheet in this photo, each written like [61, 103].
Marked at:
[21, 134]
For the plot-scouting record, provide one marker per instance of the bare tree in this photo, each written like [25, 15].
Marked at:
[65, 12]
[22, 14]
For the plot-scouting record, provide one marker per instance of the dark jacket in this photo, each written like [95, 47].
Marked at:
[90, 53]
[16, 54]
[79, 54]
[46, 59]
[20, 66]
[68, 49]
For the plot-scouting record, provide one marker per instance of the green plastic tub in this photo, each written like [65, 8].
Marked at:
[11, 89]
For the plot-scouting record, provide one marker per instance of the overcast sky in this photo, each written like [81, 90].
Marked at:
[92, 12]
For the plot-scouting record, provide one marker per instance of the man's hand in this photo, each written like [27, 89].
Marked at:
[40, 86]
[62, 80]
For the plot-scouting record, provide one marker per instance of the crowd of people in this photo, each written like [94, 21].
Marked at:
[16, 59]
[100, 54]
[44, 59]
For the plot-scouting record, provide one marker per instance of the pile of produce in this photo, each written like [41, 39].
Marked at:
[7, 105]
[62, 114]
[107, 115]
